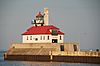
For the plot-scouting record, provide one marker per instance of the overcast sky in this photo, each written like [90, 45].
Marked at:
[78, 19]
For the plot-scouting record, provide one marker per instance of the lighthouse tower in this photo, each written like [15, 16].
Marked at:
[41, 19]
[46, 16]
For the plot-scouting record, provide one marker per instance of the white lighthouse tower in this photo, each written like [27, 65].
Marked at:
[46, 16]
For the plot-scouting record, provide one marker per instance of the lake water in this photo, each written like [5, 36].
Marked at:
[30, 63]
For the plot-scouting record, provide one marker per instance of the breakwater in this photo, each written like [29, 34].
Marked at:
[50, 53]
[54, 58]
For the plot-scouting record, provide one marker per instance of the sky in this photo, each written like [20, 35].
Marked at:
[78, 19]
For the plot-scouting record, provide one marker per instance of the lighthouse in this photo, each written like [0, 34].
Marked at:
[43, 42]
[41, 31]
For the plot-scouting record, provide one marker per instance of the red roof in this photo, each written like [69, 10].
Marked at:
[39, 15]
[41, 30]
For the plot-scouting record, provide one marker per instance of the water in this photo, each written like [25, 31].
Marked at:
[30, 63]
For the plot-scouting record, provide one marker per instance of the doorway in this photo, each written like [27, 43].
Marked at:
[54, 41]
[75, 47]
[61, 47]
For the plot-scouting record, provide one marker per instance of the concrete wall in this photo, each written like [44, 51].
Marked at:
[56, 46]
[41, 38]
[68, 46]
[36, 45]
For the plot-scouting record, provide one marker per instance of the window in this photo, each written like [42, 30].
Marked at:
[41, 24]
[60, 38]
[35, 21]
[54, 41]
[35, 24]
[27, 37]
[36, 39]
[30, 37]
[54, 32]
[43, 37]
[48, 37]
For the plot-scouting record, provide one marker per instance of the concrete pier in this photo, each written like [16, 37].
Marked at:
[51, 53]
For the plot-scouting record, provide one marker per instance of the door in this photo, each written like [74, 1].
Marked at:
[75, 47]
[61, 47]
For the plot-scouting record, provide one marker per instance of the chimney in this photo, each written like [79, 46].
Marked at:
[46, 16]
